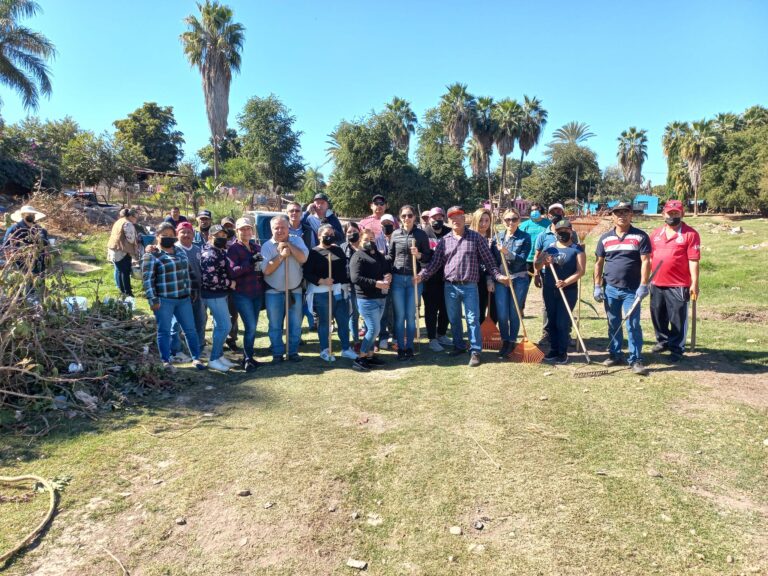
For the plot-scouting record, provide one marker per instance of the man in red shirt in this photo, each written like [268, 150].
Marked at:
[679, 247]
[378, 209]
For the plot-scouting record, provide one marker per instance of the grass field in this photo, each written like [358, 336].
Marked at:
[610, 475]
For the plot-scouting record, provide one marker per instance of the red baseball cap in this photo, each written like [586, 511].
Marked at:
[455, 211]
[674, 205]
[184, 225]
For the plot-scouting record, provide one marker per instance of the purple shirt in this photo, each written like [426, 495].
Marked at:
[461, 256]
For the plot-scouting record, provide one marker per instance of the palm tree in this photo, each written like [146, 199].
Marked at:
[213, 44]
[673, 137]
[483, 130]
[478, 159]
[533, 122]
[633, 151]
[727, 122]
[457, 107]
[508, 116]
[401, 122]
[23, 53]
[695, 149]
[572, 133]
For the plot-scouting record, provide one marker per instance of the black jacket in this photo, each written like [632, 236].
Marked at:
[438, 277]
[400, 250]
[316, 266]
[365, 269]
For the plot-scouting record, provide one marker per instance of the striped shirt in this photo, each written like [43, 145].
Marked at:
[165, 275]
[622, 256]
[461, 256]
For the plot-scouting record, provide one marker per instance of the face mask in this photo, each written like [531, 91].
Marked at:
[220, 242]
[535, 214]
[673, 221]
[388, 228]
[437, 225]
[167, 241]
[354, 237]
[29, 218]
[326, 240]
[556, 218]
[230, 233]
[369, 246]
[564, 236]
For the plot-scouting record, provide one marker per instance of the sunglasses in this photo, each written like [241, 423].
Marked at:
[511, 219]
[294, 210]
[380, 203]
[406, 215]
[621, 212]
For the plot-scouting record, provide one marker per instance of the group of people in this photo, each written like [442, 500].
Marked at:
[370, 277]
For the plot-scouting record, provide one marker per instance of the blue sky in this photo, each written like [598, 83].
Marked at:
[610, 64]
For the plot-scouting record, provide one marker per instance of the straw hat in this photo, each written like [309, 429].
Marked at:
[18, 216]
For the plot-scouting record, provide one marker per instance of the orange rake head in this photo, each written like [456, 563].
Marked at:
[526, 352]
[490, 335]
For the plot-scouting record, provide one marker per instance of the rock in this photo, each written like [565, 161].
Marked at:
[601, 472]
[751, 341]
[181, 521]
[692, 531]
[476, 548]
[451, 558]
[479, 525]
[209, 388]
[268, 505]
[737, 230]
[244, 493]
[665, 517]
[729, 559]
[543, 398]
[765, 442]
[455, 530]
[547, 374]
[699, 556]
[332, 508]
[357, 564]
[355, 515]
[654, 473]
[585, 390]
[374, 519]
[243, 542]
[158, 481]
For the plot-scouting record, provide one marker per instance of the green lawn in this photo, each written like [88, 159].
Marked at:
[610, 475]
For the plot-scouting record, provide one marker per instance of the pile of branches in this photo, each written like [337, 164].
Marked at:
[64, 214]
[54, 356]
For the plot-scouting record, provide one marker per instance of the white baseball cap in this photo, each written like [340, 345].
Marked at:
[387, 217]
[556, 205]
[19, 214]
[243, 222]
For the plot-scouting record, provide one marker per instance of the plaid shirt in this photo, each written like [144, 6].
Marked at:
[165, 275]
[241, 269]
[461, 256]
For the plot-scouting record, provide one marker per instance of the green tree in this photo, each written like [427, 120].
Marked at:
[313, 182]
[533, 121]
[632, 153]
[229, 147]
[213, 44]
[270, 143]
[401, 122]
[483, 127]
[572, 133]
[677, 174]
[508, 116]
[696, 147]
[24, 53]
[569, 170]
[457, 108]
[243, 173]
[152, 128]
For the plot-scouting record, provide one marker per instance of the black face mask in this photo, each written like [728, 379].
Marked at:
[673, 221]
[353, 237]
[564, 237]
[230, 233]
[437, 225]
[167, 241]
[388, 228]
[369, 246]
[326, 240]
[29, 218]
[556, 218]
[220, 242]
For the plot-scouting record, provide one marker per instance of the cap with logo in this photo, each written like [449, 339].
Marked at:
[673, 205]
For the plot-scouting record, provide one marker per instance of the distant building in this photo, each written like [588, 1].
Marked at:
[642, 203]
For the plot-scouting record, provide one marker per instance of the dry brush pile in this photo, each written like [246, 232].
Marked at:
[54, 356]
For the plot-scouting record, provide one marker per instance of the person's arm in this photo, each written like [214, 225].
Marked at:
[598, 277]
[693, 266]
[311, 273]
[148, 280]
[437, 260]
[645, 268]
[490, 265]
[272, 258]
[298, 249]
[235, 266]
[424, 249]
[340, 272]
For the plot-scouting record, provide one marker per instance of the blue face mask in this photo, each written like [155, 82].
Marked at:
[535, 214]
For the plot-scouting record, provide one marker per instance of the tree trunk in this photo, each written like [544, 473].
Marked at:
[576, 187]
[488, 177]
[520, 173]
[696, 201]
[503, 174]
[215, 159]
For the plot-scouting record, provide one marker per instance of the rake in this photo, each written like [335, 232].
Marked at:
[526, 351]
[570, 314]
[489, 331]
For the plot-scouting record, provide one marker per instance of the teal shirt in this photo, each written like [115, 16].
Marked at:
[534, 229]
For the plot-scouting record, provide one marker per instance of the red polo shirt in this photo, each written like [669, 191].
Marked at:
[676, 252]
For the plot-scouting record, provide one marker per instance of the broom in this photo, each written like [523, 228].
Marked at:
[416, 303]
[526, 351]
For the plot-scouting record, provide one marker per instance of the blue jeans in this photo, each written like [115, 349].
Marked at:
[201, 318]
[354, 316]
[371, 310]
[340, 314]
[221, 324]
[275, 302]
[248, 309]
[405, 310]
[558, 320]
[455, 295]
[181, 310]
[123, 275]
[509, 321]
[618, 301]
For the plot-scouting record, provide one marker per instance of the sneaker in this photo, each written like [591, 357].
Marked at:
[180, 358]
[401, 356]
[474, 360]
[562, 359]
[435, 346]
[349, 353]
[551, 356]
[543, 341]
[456, 351]
[294, 358]
[277, 359]
[383, 344]
[658, 348]
[251, 365]
[226, 361]
[302, 342]
[204, 355]
[199, 365]
[218, 365]
[232, 345]
[639, 369]
[409, 353]
[444, 340]
[506, 348]
[361, 365]
[613, 361]
[356, 347]
[169, 367]
[327, 356]
[675, 357]
[374, 361]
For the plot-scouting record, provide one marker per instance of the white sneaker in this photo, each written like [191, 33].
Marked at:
[204, 356]
[180, 358]
[218, 365]
[383, 344]
[444, 340]
[327, 356]
[226, 361]
[435, 346]
[169, 367]
[349, 353]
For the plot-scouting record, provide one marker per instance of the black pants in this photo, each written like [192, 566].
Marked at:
[669, 314]
[232, 316]
[435, 314]
[483, 294]
[123, 275]
[558, 319]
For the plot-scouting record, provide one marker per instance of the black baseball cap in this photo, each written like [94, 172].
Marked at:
[321, 196]
[378, 197]
[622, 206]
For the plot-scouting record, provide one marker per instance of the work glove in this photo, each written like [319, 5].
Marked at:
[257, 257]
[642, 291]
[598, 294]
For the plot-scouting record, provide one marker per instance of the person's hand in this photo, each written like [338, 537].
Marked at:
[285, 252]
[491, 287]
[388, 278]
[325, 281]
[152, 249]
[537, 280]
[504, 250]
[382, 284]
[695, 291]
[281, 246]
[418, 279]
[155, 307]
[561, 284]
[415, 252]
[232, 284]
[506, 280]
[598, 294]
[642, 291]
